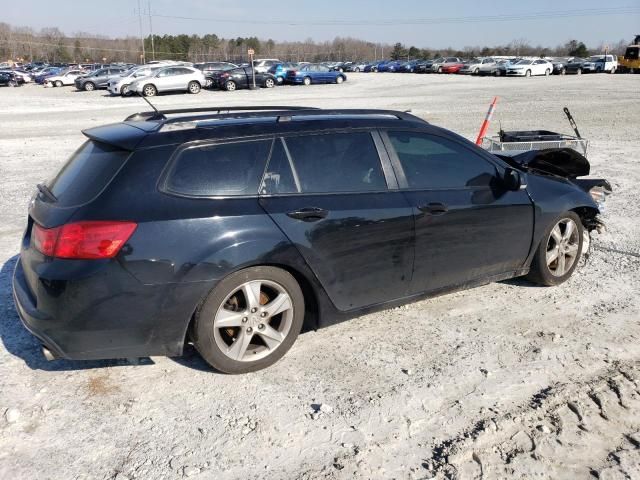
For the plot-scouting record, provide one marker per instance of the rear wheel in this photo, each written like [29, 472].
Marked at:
[527, 73]
[89, 87]
[58, 83]
[269, 83]
[249, 320]
[307, 81]
[208, 82]
[149, 91]
[339, 79]
[547, 72]
[613, 70]
[193, 87]
[563, 71]
[230, 86]
[579, 71]
[357, 69]
[559, 251]
[124, 91]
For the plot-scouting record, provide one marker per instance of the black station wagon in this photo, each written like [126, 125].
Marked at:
[233, 228]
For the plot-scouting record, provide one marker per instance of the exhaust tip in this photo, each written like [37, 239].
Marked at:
[47, 354]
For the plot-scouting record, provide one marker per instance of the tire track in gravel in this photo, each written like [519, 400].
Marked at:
[565, 431]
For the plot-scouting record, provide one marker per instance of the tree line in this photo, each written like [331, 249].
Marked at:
[52, 45]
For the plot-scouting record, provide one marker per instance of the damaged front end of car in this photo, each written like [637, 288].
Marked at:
[572, 166]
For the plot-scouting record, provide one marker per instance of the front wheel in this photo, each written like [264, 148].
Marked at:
[193, 87]
[559, 251]
[58, 83]
[527, 73]
[124, 91]
[613, 70]
[307, 81]
[563, 71]
[357, 69]
[269, 83]
[547, 72]
[208, 82]
[579, 71]
[339, 79]
[249, 320]
[149, 91]
[89, 87]
[230, 86]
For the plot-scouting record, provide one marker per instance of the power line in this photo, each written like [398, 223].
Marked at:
[627, 10]
[121, 50]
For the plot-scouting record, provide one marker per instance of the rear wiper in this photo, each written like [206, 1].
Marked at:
[44, 190]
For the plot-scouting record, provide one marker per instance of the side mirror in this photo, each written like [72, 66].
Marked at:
[513, 179]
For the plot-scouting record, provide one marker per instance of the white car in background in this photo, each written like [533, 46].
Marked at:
[262, 65]
[601, 63]
[169, 79]
[120, 85]
[66, 78]
[527, 68]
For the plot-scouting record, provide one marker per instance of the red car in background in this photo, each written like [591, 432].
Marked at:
[452, 67]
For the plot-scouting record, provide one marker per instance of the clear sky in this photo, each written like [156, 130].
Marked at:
[412, 22]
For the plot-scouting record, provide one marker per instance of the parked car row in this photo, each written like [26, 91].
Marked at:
[491, 66]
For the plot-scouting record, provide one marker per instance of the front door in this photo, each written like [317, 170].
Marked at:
[329, 193]
[468, 226]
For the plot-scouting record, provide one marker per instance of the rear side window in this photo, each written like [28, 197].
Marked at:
[432, 162]
[228, 169]
[86, 173]
[336, 162]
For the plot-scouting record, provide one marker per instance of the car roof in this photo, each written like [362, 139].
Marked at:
[153, 129]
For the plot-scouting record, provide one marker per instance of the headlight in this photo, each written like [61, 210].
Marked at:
[599, 195]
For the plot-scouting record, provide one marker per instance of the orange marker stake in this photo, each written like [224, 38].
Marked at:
[487, 121]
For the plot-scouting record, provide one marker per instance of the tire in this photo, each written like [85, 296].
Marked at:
[124, 91]
[475, 72]
[357, 69]
[280, 80]
[230, 86]
[247, 320]
[269, 83]
[89, 87]
[149, 90]
[613, 70]
[579, 71]
[563, 71]
[547, 72]
[497, 73]
[194, 87]
[439, 70]
[339, 79]
[563, 242]
[208, 82]
[58, 83]
[527, 73]
[306, 81]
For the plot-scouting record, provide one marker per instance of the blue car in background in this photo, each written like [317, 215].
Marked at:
[409, 67]
[392, 66]
[280, 70]
[314, 73]
[43, 74]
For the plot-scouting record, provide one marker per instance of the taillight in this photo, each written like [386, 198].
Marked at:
[83, 240]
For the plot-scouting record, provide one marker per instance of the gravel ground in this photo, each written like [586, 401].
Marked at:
[502, 381]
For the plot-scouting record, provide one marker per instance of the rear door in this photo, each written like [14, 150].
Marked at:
[338, 204]
[468, 226]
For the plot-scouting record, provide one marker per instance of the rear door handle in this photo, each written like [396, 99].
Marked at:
[434, 208]
[309, 214]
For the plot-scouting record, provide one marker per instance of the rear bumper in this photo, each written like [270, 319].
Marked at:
[93, 318]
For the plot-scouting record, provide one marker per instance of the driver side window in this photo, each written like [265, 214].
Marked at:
[433, 162]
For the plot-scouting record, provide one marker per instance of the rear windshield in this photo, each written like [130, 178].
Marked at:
[86, 173]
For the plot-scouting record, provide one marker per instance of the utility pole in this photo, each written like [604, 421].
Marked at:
[144, 56]
[153, 49]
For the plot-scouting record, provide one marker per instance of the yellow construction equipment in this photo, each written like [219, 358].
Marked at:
[630, 63]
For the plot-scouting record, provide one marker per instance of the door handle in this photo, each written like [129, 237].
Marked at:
[309, 214]
[434, 208]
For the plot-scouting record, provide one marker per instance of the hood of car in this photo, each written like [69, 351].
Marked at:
[563, 162]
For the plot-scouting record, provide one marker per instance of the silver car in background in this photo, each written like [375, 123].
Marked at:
[175, 78]
[120, 85]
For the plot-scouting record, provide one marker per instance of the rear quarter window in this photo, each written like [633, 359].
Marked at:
[89, 170]
[229, 169]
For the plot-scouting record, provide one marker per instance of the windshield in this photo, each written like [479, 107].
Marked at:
[524, 62]
[595, 58]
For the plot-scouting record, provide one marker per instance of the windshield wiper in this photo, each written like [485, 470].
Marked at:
[44, 190]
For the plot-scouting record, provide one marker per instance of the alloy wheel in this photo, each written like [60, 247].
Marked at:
[253, 321]
[562, 247]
